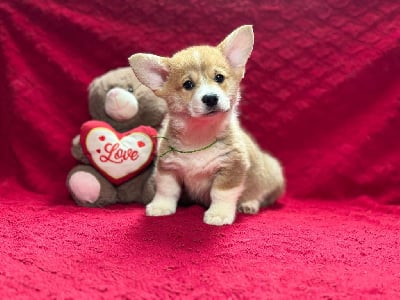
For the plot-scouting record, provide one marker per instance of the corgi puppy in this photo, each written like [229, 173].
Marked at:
[205, 154]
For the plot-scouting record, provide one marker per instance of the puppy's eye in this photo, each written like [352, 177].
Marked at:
[188, 85]
[130, 89]
[219, 78]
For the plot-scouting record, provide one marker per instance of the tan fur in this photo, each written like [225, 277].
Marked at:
[234, 172]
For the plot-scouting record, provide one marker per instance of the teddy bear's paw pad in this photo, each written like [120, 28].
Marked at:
[249, 207]
[85, 186]
[120, 104]
[218, 217]
[76, 140]
[157, 209]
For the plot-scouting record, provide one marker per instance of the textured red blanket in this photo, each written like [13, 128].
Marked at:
[321, 92]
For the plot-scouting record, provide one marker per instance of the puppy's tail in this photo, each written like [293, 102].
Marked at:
[276, 182]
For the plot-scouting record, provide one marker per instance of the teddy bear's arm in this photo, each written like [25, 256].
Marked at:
[76, 150]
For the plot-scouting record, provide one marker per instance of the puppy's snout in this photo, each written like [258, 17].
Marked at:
[210, 100]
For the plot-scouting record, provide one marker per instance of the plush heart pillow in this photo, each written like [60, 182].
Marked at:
[118, 156]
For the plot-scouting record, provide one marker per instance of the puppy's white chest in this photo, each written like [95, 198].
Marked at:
[198, 162]
[196, 170]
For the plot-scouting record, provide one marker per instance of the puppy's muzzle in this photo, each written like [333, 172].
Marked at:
[210, 100]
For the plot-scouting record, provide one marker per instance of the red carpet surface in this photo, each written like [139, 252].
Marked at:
[321, 92]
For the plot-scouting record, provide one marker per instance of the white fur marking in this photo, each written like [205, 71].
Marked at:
[197, 107]
[197, 169]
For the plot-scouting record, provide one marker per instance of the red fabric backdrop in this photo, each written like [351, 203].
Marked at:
[321, 92]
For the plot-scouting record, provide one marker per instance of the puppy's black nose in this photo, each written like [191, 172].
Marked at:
[210, 100]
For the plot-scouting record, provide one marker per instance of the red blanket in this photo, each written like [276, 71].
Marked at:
[321, 92]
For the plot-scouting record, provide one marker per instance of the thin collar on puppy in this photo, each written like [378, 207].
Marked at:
[173, 149]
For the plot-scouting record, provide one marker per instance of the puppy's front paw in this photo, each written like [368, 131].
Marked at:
[160, 208]
[218, 217]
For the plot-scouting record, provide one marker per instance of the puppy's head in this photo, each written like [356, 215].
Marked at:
[200, 81]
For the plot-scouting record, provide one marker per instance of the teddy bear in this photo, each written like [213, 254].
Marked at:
[123, 103]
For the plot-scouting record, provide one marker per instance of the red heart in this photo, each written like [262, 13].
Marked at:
[118, 156]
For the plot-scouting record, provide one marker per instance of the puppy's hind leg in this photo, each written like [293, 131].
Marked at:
[249, 207]
[273, 196]
[265, 184]
[252, 207]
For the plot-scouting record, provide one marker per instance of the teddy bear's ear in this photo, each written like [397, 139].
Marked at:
[238, 45]
[149, 69]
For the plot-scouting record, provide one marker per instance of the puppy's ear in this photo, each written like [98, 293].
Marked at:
[238, 45]
[149, 69]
